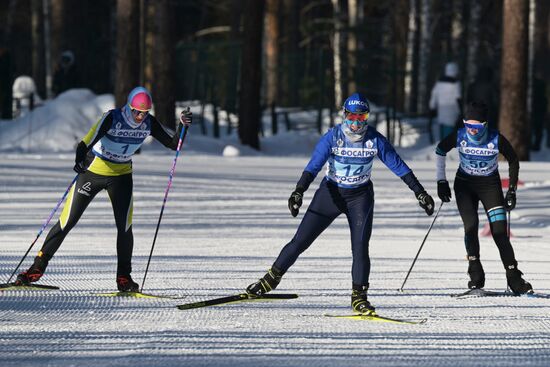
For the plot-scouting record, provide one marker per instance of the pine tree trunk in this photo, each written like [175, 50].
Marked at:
[337, 53]
[411, 58]
[164, 87]
[400, 39]
[289, 88]
[473, 42]
[127, 58]
[530, 54]
[424, 54]
[513, 85]
[234, 57]
[272, 50]
[149, 43]
[355, 8]
[38, 70]
[458, 29]
[542, 38]
[251, 74]
[57, 11]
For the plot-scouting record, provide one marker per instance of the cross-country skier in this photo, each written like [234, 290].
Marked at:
[477, 179]
[104, 162]
[350, 149]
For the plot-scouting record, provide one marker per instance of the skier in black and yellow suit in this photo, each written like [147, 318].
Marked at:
[104, 161]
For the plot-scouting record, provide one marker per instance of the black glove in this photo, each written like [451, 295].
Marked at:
[444, 191]
[510, 199]
[80, 158]
[79, 167]
[426, 202]
[186, 117]
[295, 201]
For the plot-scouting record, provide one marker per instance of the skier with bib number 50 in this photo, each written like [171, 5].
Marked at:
[104, 162]
[477, 179]
[349, 149]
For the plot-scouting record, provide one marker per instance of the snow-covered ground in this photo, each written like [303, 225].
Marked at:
[225, 222]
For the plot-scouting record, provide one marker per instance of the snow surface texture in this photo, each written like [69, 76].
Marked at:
[225, 222]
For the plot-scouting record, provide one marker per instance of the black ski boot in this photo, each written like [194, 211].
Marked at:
[34, 273]
[359, 302]
[267, 283]
[126, 284]
[516, 283]
[476, 273]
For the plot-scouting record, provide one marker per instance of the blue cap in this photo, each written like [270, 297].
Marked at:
[357, 103]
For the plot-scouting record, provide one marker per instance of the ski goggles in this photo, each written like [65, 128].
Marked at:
[357, 117]
[357, 125]
[138, 113]
[478, 125]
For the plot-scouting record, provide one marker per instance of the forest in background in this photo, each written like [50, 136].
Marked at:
[247, 55]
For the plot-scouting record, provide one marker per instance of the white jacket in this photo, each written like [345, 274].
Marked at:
[444, 99]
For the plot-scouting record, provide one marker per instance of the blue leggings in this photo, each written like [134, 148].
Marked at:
[328, 203]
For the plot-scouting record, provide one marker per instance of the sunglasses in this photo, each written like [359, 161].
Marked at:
[357, 116]
[137, 113]
[477, 126]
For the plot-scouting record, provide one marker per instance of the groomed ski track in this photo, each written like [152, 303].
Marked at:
[225, 222]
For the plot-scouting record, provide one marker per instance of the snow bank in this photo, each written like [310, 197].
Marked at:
[57, 126]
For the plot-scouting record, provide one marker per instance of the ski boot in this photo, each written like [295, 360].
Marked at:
[516, 283]
[126, 284]
[34, 273]
[476, 273]
[359, 302]
[267, 283]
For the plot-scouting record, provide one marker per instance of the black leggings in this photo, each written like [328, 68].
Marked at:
[328, 203]
[469, 191]
[82, 193]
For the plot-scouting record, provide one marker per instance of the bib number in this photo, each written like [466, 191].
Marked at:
[478, 164]
[356, 172]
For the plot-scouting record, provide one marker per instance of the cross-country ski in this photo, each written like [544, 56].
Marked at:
[378, 318]
[236, 298]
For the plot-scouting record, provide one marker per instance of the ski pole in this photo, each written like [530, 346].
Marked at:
[172, 170]
[44, 225]
[420, 249]
[509, 215]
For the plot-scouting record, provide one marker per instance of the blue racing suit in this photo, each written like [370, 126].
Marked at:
[346, 188]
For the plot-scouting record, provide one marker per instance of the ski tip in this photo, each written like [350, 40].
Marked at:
[134, 295]
[27, 287]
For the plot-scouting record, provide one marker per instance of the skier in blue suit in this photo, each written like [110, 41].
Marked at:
[349, 149]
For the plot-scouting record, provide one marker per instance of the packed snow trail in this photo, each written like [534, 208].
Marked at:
[224, 223]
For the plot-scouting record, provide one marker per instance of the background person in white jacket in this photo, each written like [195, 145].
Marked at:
[445, 100]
